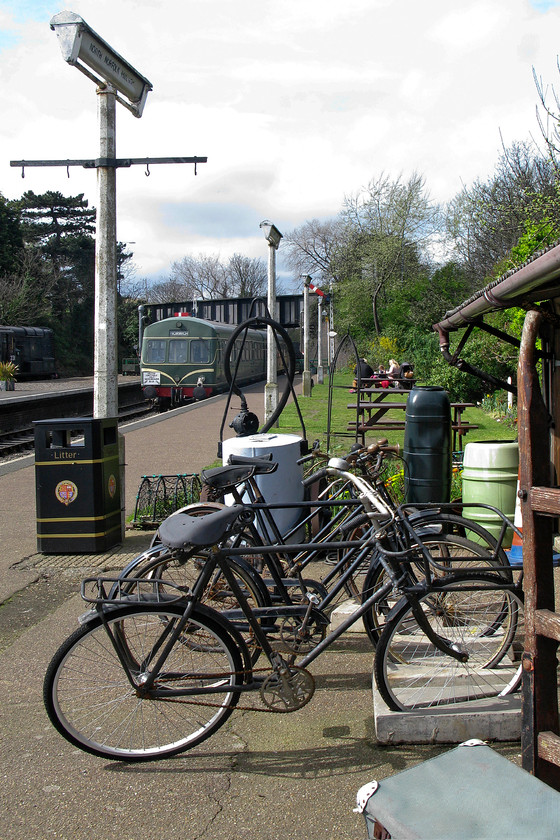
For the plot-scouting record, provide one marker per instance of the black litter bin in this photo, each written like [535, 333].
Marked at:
[77, 485]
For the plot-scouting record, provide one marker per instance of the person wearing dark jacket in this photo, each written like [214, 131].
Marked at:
[362, 371]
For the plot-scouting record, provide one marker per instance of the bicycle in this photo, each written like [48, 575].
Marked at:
[349, 521]
[155, 673]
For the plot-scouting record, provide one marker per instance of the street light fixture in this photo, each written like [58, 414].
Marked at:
[271, 233]
[273, 237]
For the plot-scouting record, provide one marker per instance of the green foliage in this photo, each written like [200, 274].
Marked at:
[8, 371]
[11, 239]
[538, 235]
[127, 321]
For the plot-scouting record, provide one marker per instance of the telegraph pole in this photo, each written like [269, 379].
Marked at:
[116, 81]
[105, 361]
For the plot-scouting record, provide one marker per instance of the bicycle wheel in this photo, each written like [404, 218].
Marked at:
[449, 551]
[182, 570]
[411, 672]
[91, 702]
[424, 521]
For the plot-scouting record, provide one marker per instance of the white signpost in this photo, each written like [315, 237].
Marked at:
[83, 48]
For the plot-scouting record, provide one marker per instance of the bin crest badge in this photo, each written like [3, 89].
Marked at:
[66, 492]
[112, 485]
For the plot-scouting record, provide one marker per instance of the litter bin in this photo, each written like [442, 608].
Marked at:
[77, 485]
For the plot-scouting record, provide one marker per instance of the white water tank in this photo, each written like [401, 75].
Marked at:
[283, 485]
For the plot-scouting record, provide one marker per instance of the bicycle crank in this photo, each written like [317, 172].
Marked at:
[288, 691]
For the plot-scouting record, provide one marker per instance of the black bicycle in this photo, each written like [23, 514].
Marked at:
[156, 671]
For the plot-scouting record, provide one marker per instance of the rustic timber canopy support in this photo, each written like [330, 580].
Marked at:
[534, 287]
[540, 741]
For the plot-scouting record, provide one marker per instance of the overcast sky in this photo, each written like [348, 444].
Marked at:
[296, 103]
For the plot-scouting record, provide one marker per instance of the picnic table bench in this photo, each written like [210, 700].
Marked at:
[371, 414]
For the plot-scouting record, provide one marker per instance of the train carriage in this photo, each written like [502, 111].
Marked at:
[31, 349]
[182, 359]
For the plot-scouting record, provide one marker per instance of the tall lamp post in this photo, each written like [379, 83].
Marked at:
[320, 373]
[273, 237]
[306, 378]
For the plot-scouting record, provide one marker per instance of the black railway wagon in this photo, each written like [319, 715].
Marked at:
[31, 349]
[231, 310]
[183, 359]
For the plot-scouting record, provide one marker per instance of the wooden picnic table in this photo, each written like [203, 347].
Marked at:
[371, 414]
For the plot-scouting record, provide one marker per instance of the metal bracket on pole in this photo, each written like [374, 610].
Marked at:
[107, 162]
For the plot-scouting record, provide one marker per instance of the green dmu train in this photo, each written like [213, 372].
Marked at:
[183, 359]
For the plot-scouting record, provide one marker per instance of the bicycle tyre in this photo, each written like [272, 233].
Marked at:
[459, 525]
[444, 547]
[90, 701]
[411, 672]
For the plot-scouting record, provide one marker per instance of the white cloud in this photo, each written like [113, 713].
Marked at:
[295, 104]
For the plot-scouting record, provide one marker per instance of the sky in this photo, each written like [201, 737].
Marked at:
[296, 104]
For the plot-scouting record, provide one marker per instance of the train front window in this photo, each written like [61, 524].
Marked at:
[155, 351]
[178, 351]
[200, 352]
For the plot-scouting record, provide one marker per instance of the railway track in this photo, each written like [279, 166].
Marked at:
[20, 440]
[17, 414]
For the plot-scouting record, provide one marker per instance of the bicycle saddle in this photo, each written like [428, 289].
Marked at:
[181, 530]
[224, 478]
[263, 463]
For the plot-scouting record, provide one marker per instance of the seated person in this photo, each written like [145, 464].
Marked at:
[394, 369]
[381, 378]
[362, 371]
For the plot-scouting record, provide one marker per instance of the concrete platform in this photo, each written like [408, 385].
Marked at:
[498, 719]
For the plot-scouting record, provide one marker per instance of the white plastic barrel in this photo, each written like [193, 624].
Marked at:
[283, 485]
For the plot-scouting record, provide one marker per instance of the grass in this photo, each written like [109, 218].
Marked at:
[314, 410]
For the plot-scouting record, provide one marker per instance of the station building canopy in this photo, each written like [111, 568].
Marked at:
[534, 285]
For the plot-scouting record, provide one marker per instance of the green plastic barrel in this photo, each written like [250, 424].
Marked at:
[427, 445]
[490, 471]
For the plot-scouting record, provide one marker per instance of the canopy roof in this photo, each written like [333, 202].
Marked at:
[536, 281]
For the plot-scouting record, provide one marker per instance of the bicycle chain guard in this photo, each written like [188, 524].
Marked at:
[290, 692]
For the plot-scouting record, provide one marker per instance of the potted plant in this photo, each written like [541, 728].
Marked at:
[8, 372]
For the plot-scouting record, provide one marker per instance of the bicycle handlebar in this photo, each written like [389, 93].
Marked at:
[316, 476]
